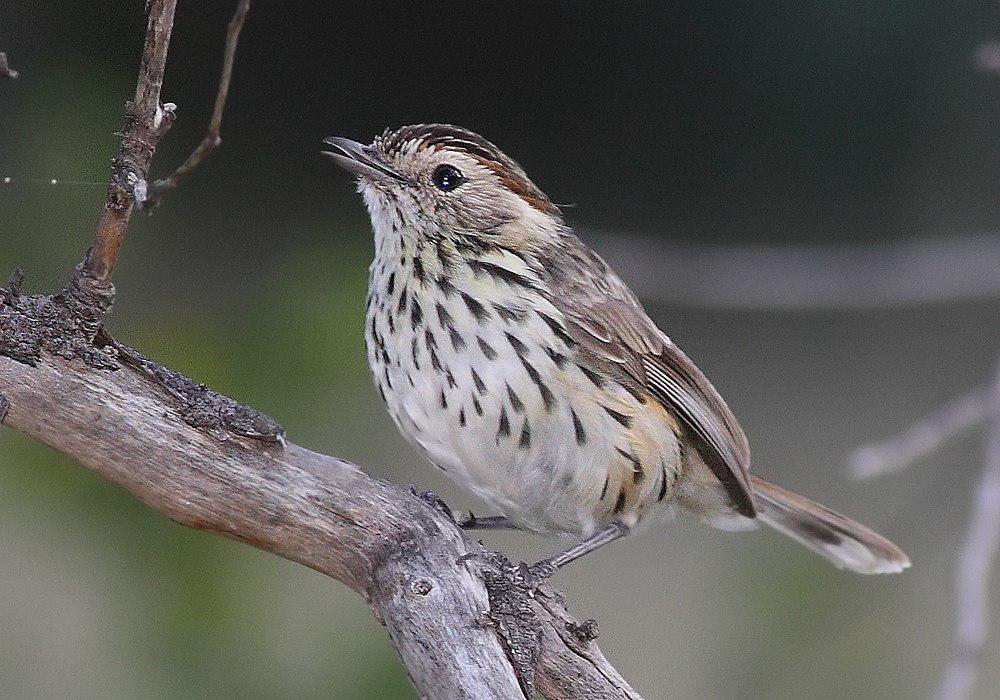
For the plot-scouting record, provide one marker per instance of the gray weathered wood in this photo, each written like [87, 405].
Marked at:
[310, 508]
[462, 627]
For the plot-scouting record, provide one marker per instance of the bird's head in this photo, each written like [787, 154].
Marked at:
[440, 180]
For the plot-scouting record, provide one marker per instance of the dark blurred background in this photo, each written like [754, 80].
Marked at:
[750, 123]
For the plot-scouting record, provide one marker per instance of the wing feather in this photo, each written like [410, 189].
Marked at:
[616, 337]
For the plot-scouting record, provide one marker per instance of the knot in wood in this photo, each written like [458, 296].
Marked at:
[421, 587]
[585, 631]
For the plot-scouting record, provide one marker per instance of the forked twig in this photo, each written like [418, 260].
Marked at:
[976, 562]
[213, 136]
[982, 538]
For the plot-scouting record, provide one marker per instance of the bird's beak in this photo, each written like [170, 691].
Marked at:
[360, 160]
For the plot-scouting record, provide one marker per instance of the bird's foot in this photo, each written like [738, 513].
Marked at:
[466, 520]
[470, 521]
[435, 502]
[463, 518]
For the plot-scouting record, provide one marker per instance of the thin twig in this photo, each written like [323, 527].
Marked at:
[213, 136]
[923, 271]
[145, 123]
[923, 437]
[5, 70]
[972, 619]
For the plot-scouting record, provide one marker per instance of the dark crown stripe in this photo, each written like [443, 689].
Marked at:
[439, 136]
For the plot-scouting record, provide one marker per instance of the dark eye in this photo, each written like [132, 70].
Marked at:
[447, 177]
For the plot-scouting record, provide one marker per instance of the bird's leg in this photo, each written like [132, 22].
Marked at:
[535, 574]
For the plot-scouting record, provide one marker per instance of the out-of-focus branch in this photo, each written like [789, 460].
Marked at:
[987, 57]
[213, 136]
[926, 271]
[924, 437]
[972, 618]
[983, 536]
[5, 70]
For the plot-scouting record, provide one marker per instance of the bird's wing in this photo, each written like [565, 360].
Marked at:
[616, 337]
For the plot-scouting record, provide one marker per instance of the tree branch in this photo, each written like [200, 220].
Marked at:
[927, 271]
[145, 123]
[461, 624]
[317, 510]
[213, 136]
[923, 437]
[975, 565]
[982, 538]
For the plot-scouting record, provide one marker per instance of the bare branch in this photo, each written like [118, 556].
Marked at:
[211, 463]
[145, 123]
[213, 136]
[567, 644]
[972, 618]
[935, 270]
[923, 437]
[5, 70]
[317, 510]
[987, 57]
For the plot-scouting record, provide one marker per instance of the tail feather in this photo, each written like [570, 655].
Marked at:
[847, 544]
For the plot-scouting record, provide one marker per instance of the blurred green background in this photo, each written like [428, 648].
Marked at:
[768, 123]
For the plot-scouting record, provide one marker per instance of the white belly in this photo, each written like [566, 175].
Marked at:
[496, 401]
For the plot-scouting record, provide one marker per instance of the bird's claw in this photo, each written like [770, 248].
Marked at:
[465, 519]
[435, 502]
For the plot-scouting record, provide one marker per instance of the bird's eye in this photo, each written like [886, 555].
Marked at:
[447, 177]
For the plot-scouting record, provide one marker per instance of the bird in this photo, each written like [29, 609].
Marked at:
[521, 365]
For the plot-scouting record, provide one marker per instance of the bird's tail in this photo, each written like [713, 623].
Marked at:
[847, 544]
